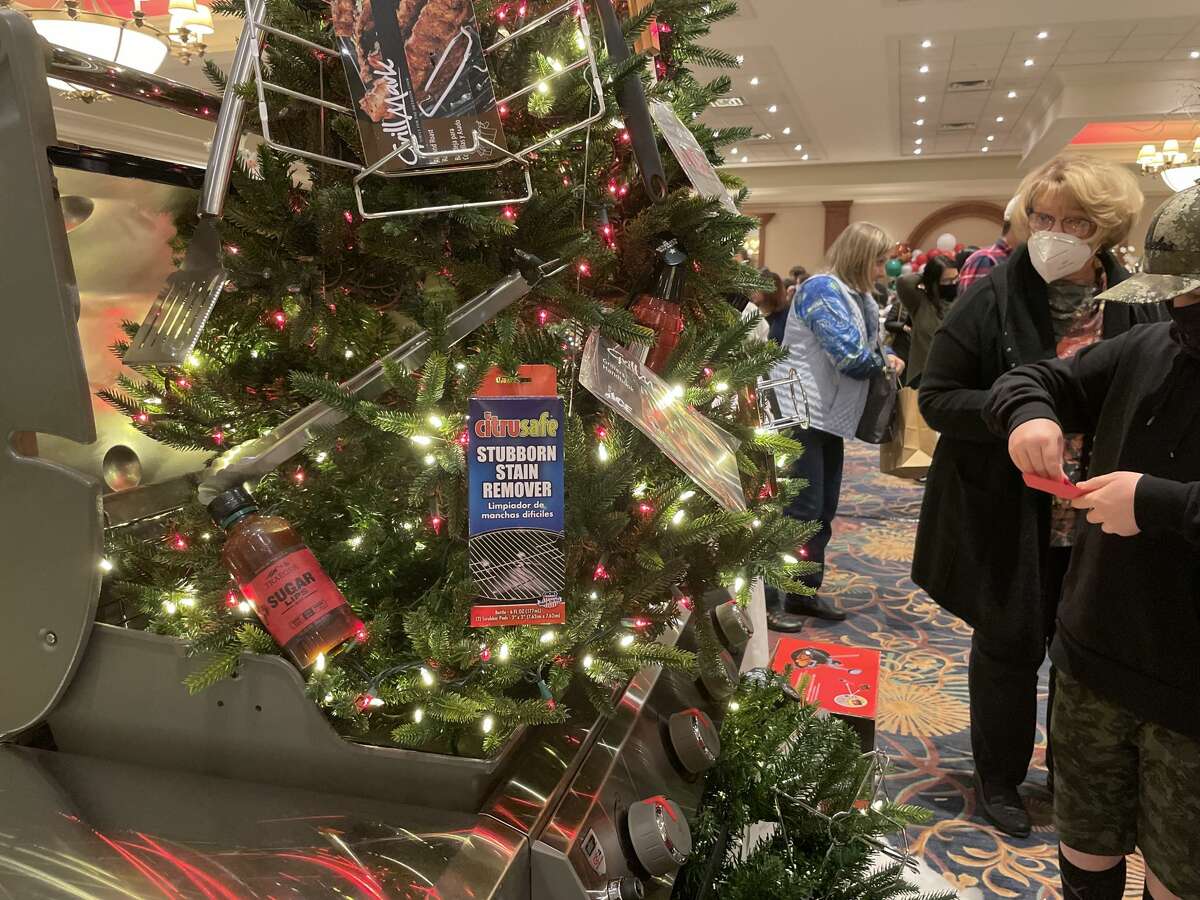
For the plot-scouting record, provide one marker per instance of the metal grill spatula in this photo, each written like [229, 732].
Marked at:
[179, 313]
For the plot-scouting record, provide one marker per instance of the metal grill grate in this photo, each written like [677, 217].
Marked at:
[517, 564]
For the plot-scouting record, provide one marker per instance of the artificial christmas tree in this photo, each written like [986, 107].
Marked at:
[317, 291]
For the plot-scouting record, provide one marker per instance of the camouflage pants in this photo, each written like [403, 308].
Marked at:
[1122, 783]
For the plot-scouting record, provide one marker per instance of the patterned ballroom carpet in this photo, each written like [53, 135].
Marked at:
[923, 716]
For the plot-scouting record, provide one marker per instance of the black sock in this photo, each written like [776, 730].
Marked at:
[1080, 884]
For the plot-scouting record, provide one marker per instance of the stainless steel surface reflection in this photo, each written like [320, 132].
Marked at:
[73, 826]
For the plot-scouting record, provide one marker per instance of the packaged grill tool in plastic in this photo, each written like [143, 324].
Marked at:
[515, 484]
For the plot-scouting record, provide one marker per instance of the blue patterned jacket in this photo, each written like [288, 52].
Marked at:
[832, 336]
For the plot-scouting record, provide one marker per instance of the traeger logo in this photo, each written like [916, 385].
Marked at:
[398, 121]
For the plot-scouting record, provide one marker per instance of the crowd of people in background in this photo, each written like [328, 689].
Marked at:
[1036, 355]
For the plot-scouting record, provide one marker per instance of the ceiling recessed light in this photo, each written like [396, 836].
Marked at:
[919, 141]
[926, 44]
[1042, 35]
[733, 151]
[917, 152]
[1028, 61]
[921, 99]
[754, 81]
[991, 137]
[772, 108]
[798, 147]
[984, 149]
[805, 157]
[924, 70]
[766, 136]
[1012, 95]
[999, 118]
[1195, 54]
[745, 159]
[787, 130]
[740, 59]
[919, 122]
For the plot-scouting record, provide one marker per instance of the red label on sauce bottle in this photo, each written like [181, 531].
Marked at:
[292, 593]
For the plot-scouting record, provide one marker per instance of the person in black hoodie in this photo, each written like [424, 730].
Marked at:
[988, 549]
[1126, 725]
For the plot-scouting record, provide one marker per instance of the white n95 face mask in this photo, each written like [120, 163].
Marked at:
[1056, 255]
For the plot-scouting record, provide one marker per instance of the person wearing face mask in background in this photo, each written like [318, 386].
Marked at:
[989, 549]
[1126, 724]
[926, 298]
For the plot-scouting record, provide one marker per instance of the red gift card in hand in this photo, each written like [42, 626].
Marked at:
[1064, 489]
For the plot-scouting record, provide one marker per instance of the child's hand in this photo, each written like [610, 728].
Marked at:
[1036, 447]
[1109, 502]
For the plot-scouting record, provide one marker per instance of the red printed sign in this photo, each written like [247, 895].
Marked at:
[292, 593]
[836, 677]
[553, 612]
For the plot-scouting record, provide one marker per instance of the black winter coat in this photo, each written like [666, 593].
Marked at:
[982, 538]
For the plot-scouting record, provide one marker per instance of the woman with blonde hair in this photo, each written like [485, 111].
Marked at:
[989, 549]
[832, 338]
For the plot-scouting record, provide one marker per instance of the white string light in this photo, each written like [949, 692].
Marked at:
[487, 724]
[587, 661]
[106, 565]
[418, 715]
[319, 665]
[502, 653]
[626, 639]
[426, 677]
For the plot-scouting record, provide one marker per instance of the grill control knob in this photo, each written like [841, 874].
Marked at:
[627, 888]
[721, 683]
[733, 625]
[694, 739]
[659, 834]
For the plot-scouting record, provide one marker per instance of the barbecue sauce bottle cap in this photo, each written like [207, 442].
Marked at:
[670, 273]
[231, 505]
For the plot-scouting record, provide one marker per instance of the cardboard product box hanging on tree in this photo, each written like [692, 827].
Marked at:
[515, 485]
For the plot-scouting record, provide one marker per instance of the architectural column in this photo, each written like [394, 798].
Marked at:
[837, 217]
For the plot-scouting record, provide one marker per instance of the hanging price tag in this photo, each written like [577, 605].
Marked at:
[515, 481]
[692, 160]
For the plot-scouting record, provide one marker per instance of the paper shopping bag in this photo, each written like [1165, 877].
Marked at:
[910, 451]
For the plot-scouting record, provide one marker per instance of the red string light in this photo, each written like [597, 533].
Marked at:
[686, 602]
[178, 541]
[585, 268]
[436, 522]
[218, 437]
[279, 319]
[485, 654]
[142, 418]
[601, 432]
[182, 383]
[299, 475]
[231, 599]
[363, 702]
[600, 573]
[509, 213]
[463, 439]
[503, 110]
[646, 509]
[348, 216]
[360, 632]
[641, 622]
[543, 315]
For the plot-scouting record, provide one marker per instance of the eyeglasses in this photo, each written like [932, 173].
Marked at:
[1080, 228]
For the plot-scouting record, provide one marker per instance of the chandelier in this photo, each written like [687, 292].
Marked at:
[133, 42]
[1177, 168]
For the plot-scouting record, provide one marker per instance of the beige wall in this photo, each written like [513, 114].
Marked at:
[796, 234]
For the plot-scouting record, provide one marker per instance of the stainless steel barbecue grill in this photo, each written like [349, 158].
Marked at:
[117, 783]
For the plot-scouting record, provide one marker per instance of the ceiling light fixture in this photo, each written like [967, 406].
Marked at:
[798, 147]
[787, 130]
[991, 137]
[733, 151]
[917, 152]
[745, 159]
[1195, 54]
[919, 141]
[1028, 61]
[983, 149]
[740, 59]
[926, 44]
[131, 42]
[805, 157]
[1012, 95]
[1179, 170]
[999, 118]
[754, 81]
[921, 99]
[924, 70]
[919, 122]
[772, 108]
[1042, 35]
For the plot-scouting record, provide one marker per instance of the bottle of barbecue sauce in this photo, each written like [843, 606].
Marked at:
[296, 601]
[661, 311]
